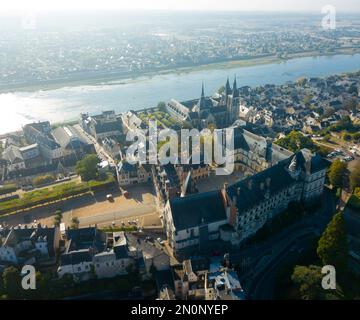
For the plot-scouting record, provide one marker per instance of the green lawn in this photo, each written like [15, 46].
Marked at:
[45, 195]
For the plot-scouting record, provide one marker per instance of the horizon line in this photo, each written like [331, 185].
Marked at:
[162, 10]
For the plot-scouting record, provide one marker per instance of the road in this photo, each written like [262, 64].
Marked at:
[257, 278]
[117, 216]
[104, 156]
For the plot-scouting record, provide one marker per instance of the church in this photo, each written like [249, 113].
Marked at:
[220, 110]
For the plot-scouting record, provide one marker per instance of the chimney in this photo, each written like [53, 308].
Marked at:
[238, 191]
[268, 182]
[250, 183]
[262, 185]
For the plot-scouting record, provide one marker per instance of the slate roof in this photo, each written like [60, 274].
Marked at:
[121, 252]
[279, 177]
[108, 126]
[68, 137]
[85, 238]
[196, 209]
[247, 198]
[13, 154]
[76, 257]
[18, 235]
[126, 167]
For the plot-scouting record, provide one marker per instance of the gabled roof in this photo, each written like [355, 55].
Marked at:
[125, 166]
[18, 235]
[13, 155]
[85, 238]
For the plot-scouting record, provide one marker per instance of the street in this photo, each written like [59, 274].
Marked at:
[262, 260]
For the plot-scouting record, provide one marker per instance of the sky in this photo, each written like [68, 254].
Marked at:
[221, 5]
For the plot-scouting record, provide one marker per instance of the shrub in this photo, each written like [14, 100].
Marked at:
[41, 180]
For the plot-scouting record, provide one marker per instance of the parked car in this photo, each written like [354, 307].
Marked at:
[349, 158]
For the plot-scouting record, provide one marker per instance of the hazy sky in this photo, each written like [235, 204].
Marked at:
[244, 5]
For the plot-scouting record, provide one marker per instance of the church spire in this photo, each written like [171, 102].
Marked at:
[235, 89]
[227, 87]
[201, 102]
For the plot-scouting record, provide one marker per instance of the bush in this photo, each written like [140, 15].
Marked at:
[87, 167]
[7, 188]
[354, 200]
[41, 180]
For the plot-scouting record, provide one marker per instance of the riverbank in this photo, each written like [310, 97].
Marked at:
[121, 78]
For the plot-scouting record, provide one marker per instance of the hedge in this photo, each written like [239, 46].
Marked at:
[46, 195]
[7, 188]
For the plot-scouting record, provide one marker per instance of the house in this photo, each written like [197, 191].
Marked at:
[40, 133]
[73, 142]
[86, 255]
[37, 245]
[17, 158]
[81, 246]
[188, 283]
[101, 126]
[128, 174]
[223, 285]
[114, 262]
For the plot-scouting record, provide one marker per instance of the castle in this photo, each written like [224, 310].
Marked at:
[236, 212]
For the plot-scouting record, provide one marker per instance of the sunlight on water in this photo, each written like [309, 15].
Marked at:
[67, 103]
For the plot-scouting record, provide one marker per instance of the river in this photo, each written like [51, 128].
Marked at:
[65, 104]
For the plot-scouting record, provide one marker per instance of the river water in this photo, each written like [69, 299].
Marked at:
[67, 103]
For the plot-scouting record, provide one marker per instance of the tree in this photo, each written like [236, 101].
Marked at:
[41, 180]
[87, 168]
[57, 221]
[296, 141]
[75, 223]
[12, 283]
[327, 137]
[333, 246]
[58, 217]
[308, 281]
[355, 177]
[336, 173]
[347, 136]
[161, 106]
[221, 90]
[356, 136]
